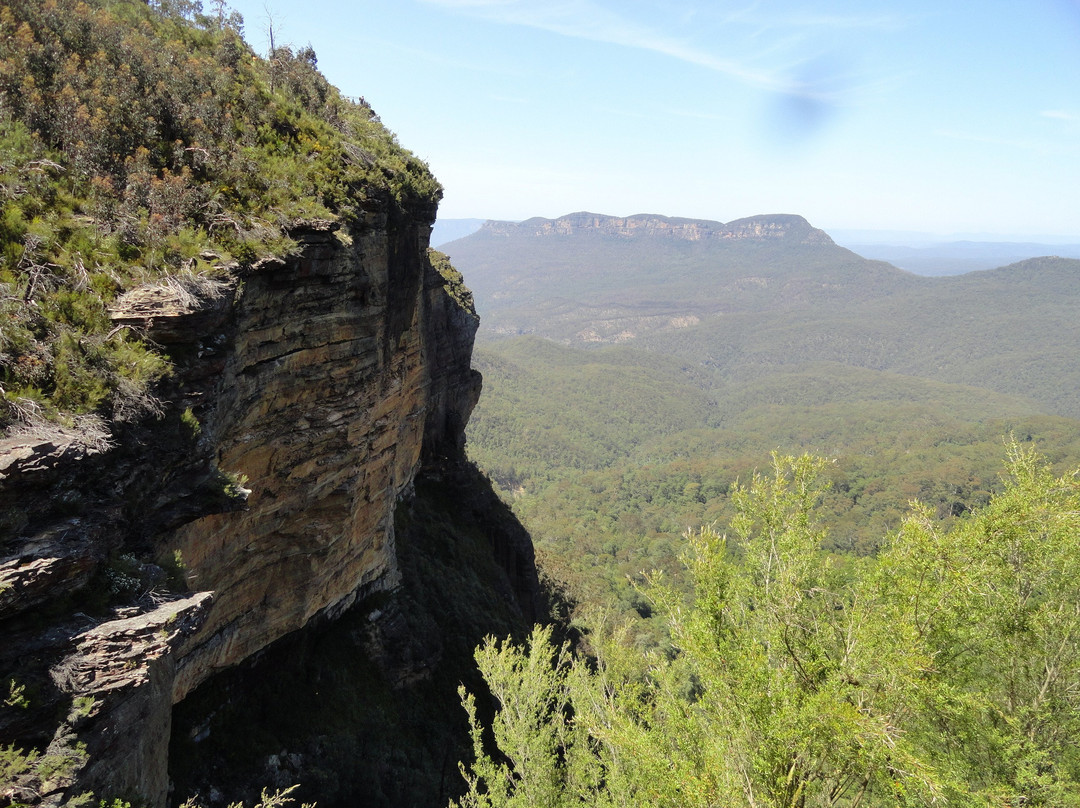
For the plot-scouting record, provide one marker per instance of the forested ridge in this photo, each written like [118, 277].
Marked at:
[631, 381]
[145, 142]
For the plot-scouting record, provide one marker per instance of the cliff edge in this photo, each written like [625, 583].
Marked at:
[227, 359]
[295, 428]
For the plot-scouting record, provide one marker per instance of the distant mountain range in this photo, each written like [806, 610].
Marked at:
[958, 257]
[773, 294]
[634, 367]
[593, 278]
[791, 229]
[920, 253]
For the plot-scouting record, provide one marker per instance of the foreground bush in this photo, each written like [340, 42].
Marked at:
[944, 672]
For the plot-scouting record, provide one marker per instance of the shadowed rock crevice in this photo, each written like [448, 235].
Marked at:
[363, 710]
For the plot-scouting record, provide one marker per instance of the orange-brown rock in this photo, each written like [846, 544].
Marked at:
[306, 393]
[320, 406]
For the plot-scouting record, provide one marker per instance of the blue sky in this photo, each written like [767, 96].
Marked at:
[947, 117]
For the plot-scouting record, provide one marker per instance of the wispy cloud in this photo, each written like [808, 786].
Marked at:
[763, 48]
[1060, 115]
[589, 21]
[771, 17]
[862, 22]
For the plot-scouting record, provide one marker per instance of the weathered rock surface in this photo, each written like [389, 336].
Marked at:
[320, 405]
[121, 678]
[49, 564]
[372, 715]
[307, 392]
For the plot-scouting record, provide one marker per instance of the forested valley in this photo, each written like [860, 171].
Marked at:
[746, 463]
[807, 523]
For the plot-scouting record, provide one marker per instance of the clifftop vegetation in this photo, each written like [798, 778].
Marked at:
[144, 142]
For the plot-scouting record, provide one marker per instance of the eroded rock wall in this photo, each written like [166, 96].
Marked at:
[306, 392]
[321, 406]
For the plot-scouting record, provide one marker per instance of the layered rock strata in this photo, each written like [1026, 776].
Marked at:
[307, 391]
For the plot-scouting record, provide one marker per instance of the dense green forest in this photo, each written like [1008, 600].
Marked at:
[609, 456]
[888, 617]
[943, 672]
[718, 352]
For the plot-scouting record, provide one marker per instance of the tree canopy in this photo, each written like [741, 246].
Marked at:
[944, 671]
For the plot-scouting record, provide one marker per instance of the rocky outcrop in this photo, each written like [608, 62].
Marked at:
[120, 677]
[790, 228]
[319, 410]
[372, 715]
[307, 391]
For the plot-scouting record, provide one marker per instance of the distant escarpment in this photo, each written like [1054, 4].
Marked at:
[786, 227]
[591, 279]
[233, 384]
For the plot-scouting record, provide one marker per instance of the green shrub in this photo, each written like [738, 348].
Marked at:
[133, 138]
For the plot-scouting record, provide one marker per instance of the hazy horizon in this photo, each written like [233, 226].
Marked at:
[875, 115]
[901, 238]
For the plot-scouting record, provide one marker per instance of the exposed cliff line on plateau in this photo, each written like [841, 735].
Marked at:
[787, 227]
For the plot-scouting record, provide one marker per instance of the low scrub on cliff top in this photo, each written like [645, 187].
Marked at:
[141, 140]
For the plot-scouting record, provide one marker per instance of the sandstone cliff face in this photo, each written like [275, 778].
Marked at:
[306, 393]
[321, 404]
